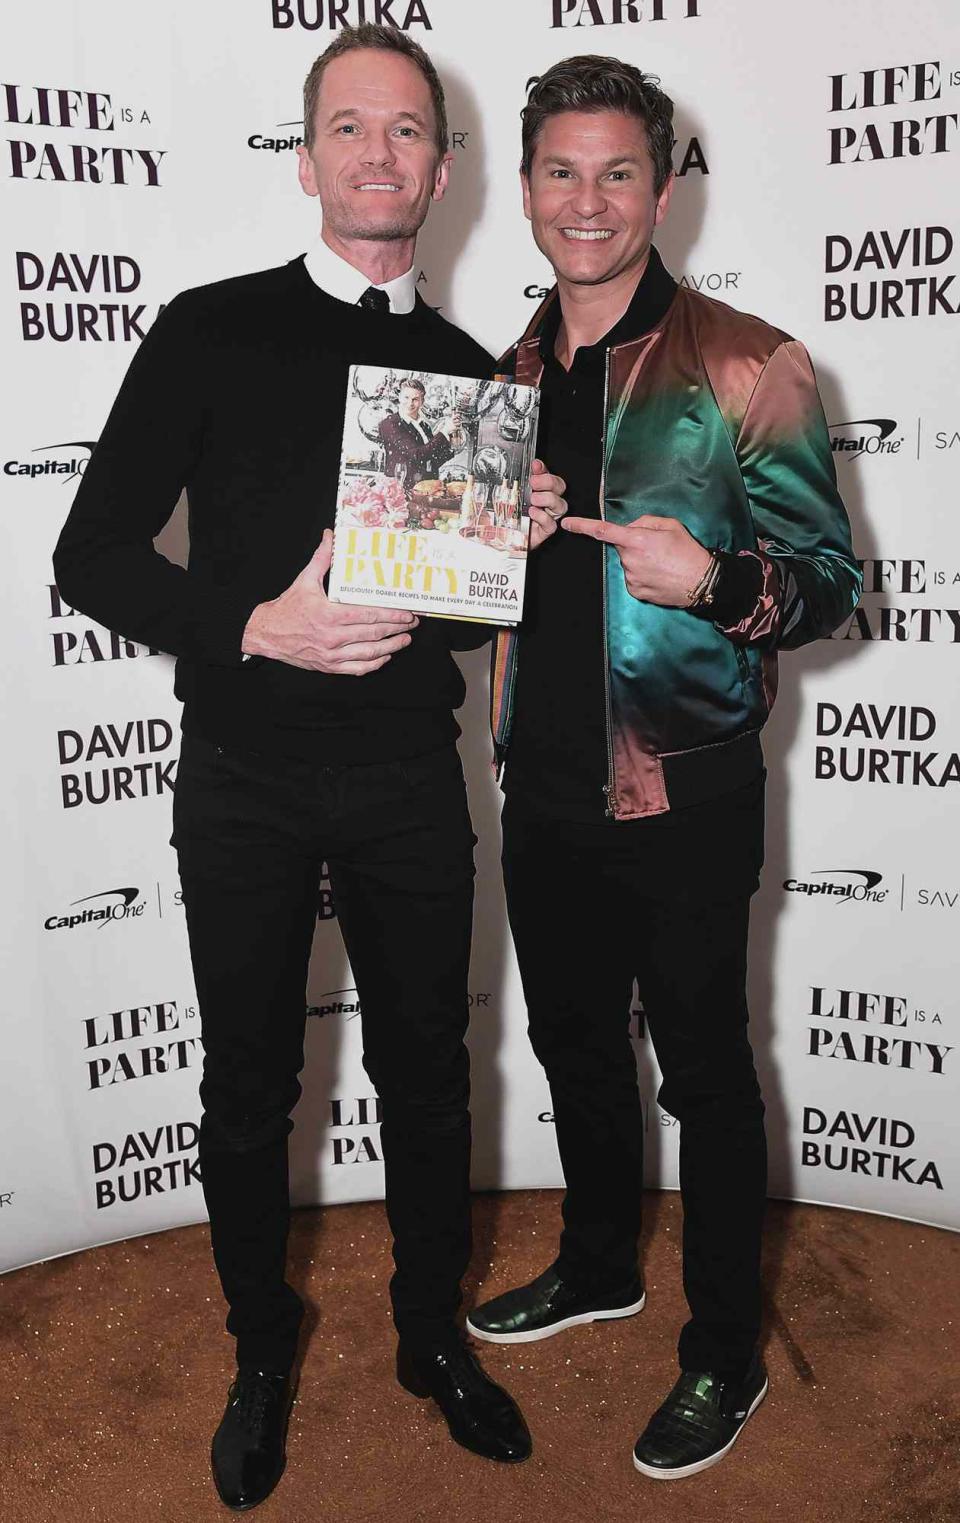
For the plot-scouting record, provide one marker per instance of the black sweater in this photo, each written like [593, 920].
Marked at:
[237, 394]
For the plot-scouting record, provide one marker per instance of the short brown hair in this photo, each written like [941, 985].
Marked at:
[387, 39]
[412, 384]
[592, 83]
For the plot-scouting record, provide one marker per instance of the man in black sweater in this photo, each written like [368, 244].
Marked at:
[286, 761]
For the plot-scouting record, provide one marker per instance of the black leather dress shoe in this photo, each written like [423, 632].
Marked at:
[699, 1422]
[546, 1306]
[249, 1447]
[480, 1415]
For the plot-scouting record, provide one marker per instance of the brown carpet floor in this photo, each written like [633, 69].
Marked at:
[114, 1374]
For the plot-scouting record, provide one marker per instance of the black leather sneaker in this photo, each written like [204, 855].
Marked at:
[699, 1422]
[480, 1414]
[248, 1454]
[546, 1306]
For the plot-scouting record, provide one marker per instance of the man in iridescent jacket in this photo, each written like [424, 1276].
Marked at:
[627, 712]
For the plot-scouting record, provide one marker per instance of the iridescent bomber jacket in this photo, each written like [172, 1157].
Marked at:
[712, 418]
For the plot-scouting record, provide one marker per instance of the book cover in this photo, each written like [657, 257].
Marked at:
[433, 497]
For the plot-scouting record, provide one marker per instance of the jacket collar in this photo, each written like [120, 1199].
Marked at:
[648, 306]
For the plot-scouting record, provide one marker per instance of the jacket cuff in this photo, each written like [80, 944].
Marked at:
[738, 586]
[748, 596]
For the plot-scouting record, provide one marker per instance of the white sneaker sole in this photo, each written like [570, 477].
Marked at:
[536, 1334]
[682, 1470]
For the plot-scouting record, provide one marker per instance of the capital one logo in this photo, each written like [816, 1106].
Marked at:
[847, 884]
[291, 137]
[864, 436]
[270, 143]
[54, 464]
[110, 904]
[343, 1002]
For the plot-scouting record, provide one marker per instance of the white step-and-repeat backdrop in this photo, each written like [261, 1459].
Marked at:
[146, 149]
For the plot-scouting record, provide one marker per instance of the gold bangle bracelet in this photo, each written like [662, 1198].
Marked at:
[704, 590]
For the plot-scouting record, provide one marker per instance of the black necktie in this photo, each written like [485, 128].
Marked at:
[374, 300]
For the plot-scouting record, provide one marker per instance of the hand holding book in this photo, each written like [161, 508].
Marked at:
[547, 503]
[303, 628]
[450, 538]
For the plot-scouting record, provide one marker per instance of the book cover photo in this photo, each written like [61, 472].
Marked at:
[433, 497]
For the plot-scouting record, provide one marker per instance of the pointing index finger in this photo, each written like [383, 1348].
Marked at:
[597, 528]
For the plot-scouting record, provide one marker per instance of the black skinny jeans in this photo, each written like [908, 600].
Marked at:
[689, 956]
[251, 833]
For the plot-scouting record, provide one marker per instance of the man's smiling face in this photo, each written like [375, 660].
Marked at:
[373, 162]
[410, 402]
[590, 195]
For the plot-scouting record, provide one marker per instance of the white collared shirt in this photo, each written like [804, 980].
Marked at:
[339, 279]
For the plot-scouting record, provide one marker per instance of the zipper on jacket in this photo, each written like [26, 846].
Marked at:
[610, 785]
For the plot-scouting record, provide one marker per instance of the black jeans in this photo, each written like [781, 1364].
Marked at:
[251, 833]
[588, 917]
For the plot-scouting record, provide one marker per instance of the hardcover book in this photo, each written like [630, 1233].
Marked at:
[433, 497]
